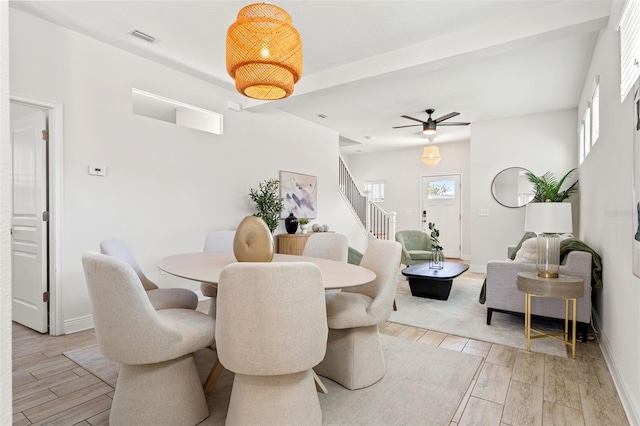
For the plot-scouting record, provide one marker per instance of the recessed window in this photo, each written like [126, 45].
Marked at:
[170, 111]
[595, 113]
[629, 27]
[581, 142]
[586, 120]
[374, 191]
[441, 189]
[590, 126]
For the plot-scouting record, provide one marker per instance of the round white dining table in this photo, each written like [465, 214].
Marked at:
[206, 267]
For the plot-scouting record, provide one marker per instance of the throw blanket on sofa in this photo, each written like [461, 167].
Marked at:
[567, 245]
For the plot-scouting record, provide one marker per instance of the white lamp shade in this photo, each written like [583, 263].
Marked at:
[431, 155]
[548, 217]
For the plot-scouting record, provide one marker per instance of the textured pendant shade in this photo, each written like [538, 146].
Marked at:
[264, 52]
[431, 155]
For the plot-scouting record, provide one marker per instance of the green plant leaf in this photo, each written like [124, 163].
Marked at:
[268, 203]
[547, 188]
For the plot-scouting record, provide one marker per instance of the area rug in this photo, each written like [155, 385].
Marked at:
[462, 315]
[423, 385]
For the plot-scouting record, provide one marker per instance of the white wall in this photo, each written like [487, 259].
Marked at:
[402, 171]
[609, 219]
[167, 186]
[6, 402]
[541, 143]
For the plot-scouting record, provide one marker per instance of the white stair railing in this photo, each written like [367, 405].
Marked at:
[376, 221]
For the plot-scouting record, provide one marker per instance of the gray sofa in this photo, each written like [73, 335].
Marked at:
[502, 294]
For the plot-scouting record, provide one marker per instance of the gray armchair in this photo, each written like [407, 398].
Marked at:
[416, 246]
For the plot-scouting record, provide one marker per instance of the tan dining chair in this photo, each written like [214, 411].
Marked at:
[161, 298]
[158, 383]
[271, 330]
[325, 245]
[216, 241]
[354, 356]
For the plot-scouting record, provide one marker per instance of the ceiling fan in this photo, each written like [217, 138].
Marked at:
[429, 126]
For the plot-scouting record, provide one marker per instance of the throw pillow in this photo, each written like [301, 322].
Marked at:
[524, 238]
[528, 251]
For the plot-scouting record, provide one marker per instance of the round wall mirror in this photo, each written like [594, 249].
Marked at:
[512, 188]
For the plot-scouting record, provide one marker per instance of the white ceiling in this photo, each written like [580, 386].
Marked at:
[366, 63]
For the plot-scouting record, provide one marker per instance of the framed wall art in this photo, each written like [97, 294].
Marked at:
[299, 194]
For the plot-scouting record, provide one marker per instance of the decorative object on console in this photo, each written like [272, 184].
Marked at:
[548, 220]
[304, 224]
[437, 259]
[268, 204]
[315, 227]
[264, 52]
[253, 241]
[299, 194]
[291, 224]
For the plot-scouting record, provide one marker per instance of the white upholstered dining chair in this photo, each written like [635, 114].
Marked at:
[331, 246]
[354, 355]
[216, 241]
[161, 298]
[158, 383]
[271, 330]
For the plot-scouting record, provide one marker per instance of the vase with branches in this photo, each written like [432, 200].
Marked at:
[437, 256]
[547, 188]
[268, 203]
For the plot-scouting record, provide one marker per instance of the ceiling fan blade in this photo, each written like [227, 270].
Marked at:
[411, 118]
[446, 117]
[410, 125]
[453, 123]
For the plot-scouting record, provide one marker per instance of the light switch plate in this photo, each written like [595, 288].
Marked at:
[97, 170]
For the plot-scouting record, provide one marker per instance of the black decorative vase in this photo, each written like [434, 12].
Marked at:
[291, 224]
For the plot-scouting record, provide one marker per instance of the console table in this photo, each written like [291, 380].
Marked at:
[292, 243]
[567, 287]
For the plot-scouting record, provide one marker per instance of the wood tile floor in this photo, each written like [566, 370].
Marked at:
[512, 387]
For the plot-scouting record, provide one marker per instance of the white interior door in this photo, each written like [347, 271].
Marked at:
[29, 228]
[441, 204]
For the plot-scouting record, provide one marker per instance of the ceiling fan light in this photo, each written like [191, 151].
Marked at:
[431, 155]
[264, 52]
[429, 128]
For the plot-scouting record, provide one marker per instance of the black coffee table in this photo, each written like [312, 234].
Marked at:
[433, 283]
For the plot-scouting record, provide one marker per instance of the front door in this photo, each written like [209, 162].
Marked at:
[441, 204]
[29, 227]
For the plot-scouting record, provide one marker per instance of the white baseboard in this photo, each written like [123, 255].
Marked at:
[629, 403]
[466, 257]
[74, 325]
[481, 269]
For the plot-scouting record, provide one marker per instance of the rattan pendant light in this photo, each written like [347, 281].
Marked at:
[264, 52]
[431, 155]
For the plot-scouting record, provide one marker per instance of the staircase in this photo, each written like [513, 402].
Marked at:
[377, 222]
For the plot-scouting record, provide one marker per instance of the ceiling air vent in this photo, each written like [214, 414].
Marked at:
[143, 36]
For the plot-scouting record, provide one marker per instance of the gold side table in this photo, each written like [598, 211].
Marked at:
[567, 287]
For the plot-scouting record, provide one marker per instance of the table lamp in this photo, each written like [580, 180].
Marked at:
[548, 220]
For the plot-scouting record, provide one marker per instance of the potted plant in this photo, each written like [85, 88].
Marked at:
[304, 224]
[437, 256]
[268, 203]
[546, 188]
